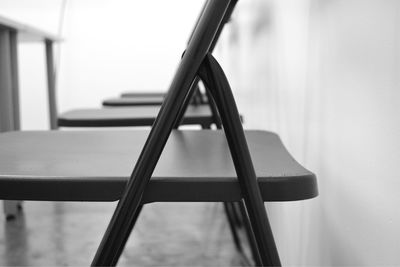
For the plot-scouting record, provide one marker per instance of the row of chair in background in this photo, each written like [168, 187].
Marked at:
[136, 111]
[141, 108]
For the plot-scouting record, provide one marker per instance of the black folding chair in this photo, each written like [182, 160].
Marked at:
[199, 112]
[92, 165]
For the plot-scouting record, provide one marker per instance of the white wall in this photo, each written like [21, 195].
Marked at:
[325, 75]
[109, 47]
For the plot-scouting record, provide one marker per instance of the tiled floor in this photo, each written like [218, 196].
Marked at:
[166, 234]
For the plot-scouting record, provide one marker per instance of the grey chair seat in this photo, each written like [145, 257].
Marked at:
[129, 116]
[134, 101]
[95, 166]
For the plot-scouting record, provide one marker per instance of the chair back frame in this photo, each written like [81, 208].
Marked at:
[216, 82]
[194, 90]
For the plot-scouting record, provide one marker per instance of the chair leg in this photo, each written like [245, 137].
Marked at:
[132, 225]
[250, 234]
[229, 210]
[213, 76]
[103, 258]
[232, 212]
[238, 216]
[11, 209]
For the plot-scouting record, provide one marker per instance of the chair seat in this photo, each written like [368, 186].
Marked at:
[95, 166]
[134, 101]
[129, 116]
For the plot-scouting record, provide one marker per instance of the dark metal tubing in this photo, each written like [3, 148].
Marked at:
[120, 249]
[214, 78]
[234, 209]
[239, 216]
[203, 8]
[250, 234]
[214, 110]
[229, 209]
[122, 219]
[225, 19]
[194, 91]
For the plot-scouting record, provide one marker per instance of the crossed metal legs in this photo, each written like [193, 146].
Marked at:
[129, 206]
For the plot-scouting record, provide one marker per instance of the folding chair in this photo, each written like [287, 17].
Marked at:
[199, 112]
[93, 165]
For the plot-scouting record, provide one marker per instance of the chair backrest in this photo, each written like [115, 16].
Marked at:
[227, 17]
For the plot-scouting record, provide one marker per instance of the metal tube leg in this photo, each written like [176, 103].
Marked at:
[7, 77]
[212, 74]
[132, 225]
[231, 215]
[11, 208]
[231, 209]
[250, 234]
[185, 104]
[228, 207]
[238, 216]
[235, 217]
[111, 260]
